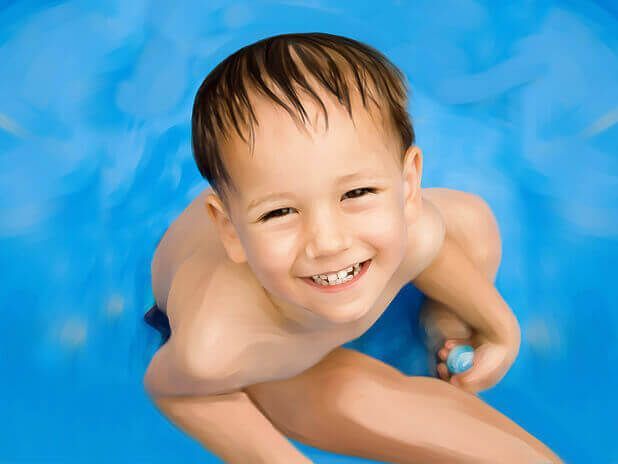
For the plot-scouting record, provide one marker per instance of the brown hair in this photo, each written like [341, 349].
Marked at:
[268, 66]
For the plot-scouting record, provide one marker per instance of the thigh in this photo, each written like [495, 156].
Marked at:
[302, 404]
[350, 403]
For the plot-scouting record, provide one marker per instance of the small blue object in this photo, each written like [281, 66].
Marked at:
[460, 359]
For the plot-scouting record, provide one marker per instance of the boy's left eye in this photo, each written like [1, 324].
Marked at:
[368, 189]
[359, 192]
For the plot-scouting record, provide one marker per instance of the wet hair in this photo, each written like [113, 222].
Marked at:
[276, 68]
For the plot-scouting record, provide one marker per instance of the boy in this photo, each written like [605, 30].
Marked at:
[315, 220]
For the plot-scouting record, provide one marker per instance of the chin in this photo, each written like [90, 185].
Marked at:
[343, 317]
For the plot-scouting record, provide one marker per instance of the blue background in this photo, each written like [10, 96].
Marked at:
[514, 101]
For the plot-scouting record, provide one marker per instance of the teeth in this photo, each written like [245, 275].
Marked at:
[336, 282]
[336, 278]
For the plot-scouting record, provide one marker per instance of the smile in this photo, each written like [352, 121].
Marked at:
[335, 287]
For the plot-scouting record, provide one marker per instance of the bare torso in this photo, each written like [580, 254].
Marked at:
[190, 259]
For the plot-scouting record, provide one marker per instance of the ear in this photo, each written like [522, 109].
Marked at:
[227, 232]
[412, 174]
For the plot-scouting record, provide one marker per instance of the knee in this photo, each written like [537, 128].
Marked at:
[322, 405]
[349, 388]
[336, 386]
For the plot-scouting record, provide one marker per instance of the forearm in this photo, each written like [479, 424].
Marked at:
[224, 420]
[453, 280]
[231, 427]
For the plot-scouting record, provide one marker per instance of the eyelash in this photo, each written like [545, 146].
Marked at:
[270, 215]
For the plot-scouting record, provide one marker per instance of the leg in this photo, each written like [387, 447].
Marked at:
[470, 222]
[353, 404]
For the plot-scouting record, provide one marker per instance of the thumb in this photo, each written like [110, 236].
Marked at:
[465, 384]
[484, 373]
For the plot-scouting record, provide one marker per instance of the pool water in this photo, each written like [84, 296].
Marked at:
[517, 103]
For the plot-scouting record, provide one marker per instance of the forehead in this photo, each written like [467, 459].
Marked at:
[282, 143]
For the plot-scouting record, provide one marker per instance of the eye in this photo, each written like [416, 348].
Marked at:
[361, 190]
[273, 214]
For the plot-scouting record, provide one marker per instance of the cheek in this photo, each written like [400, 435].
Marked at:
[385, 228]
[273, 254]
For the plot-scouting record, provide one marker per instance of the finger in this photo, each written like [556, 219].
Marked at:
[453, 342]
[474, 384]
[443, 371]
[475, 380]
[449, 345]
[486, 371]
[465, 388]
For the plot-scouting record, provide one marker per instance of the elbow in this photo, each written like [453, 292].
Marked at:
[151, 385]
[169, 372]
[172, 372]
[514, 336]
[206, 363]
[516, 343]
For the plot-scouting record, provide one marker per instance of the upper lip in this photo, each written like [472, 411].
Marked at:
[340, 269]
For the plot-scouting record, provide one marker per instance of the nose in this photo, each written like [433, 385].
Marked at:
[326, 236]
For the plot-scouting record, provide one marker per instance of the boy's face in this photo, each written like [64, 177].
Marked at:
[318, 223]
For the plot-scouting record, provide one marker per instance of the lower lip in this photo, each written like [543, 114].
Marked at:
[339, 287]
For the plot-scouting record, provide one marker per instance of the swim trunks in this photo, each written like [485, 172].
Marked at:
[159, 320]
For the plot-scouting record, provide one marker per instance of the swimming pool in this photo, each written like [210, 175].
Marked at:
[516, 104]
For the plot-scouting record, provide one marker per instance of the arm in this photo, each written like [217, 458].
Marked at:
[228, 424]
[453, 280]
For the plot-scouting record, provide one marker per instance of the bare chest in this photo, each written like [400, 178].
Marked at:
[227, 305]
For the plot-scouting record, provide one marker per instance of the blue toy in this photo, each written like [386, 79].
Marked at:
[460, 359]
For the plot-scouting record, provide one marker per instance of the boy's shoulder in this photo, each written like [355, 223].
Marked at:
[228, 328]
[205, 294]
[224, 321]
[425, 239]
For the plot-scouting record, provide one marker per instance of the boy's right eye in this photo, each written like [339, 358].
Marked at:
[272, 214]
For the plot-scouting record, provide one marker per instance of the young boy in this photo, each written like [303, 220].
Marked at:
[315, 220]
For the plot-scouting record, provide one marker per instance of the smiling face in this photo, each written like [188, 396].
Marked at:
[314, 201]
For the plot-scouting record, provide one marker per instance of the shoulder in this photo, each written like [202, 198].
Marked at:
[218, 319]
[436, 226]
[425, 239]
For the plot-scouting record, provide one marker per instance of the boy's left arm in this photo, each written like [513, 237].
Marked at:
[453, 280]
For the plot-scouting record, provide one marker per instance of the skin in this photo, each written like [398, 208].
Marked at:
[321, 232]
[324, 229]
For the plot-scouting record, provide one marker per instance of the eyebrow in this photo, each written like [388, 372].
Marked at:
[366, 175]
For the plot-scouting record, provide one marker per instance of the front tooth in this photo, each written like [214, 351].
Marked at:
[339, 275]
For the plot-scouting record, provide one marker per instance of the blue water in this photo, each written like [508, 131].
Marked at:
[517, 103]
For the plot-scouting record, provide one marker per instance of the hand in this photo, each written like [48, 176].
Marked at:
[492, 359]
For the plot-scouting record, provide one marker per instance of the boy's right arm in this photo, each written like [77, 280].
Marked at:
[229, 424]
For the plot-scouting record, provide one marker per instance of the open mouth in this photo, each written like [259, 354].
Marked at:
[339, 286]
